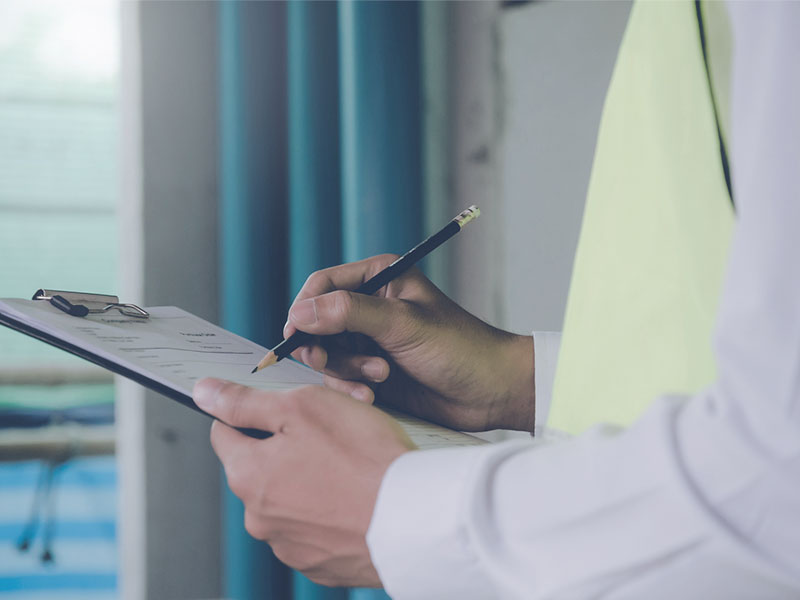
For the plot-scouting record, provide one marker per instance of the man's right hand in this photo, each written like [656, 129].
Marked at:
[415, 347]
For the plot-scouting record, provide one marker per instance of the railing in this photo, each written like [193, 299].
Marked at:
[58, 441]
[55, 375]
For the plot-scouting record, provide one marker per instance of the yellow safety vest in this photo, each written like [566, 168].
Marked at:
[656, 228]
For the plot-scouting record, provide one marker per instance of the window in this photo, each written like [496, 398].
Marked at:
[58, 188]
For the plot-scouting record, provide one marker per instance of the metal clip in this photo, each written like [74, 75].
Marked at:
[79, 304]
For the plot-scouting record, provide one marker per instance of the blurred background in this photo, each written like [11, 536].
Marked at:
[211, 155]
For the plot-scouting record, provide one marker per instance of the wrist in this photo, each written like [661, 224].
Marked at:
[518, 405]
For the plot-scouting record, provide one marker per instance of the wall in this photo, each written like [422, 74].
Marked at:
[555, 62]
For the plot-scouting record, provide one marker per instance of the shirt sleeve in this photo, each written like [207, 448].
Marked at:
[699, 497]
[546, 345]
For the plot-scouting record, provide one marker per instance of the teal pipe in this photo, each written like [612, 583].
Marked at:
[314, 163]
[381, 108]
[253, 236]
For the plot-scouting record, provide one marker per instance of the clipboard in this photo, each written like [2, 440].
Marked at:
[166, 349]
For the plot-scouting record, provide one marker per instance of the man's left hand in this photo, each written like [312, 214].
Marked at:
[310, 489]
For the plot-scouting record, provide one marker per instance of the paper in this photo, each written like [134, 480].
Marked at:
[428, 436]
[175, 348]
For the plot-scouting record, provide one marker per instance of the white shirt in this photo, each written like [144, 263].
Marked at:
[701, 497]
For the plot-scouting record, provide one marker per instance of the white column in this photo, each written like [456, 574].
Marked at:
[169, 479]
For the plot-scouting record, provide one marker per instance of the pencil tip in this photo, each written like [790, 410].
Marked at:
[269, 360]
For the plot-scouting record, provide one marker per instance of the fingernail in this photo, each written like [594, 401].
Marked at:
[304, 312]
[374, 370]
[206, 393]
[286, 330]
[362, 394]
[305, 356]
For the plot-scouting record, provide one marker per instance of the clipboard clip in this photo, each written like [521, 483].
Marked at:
[80, 304]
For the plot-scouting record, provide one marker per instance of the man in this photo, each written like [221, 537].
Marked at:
[698, 497]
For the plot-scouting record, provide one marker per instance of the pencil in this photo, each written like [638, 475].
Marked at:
[372, 285]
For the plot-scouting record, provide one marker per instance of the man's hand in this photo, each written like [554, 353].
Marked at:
[310, 489]
[415, 347]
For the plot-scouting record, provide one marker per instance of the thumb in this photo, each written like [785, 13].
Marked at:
[342, 310]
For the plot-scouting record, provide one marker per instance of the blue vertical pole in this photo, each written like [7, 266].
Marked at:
[314, 181]
[381, 127]
[253, 224]
[381, 131]
[314, 163]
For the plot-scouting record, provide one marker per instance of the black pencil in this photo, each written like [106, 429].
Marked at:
[372, 285]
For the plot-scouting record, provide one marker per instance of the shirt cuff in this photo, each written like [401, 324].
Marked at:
[546, 345]
[417, 530]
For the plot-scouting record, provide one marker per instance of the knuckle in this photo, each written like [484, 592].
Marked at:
[282, 552]
[234, 413]
[343, 302]
[255, 525]
[293, 555]
[380, 262]
[388, 258]
[227, 395]
[261, 500]
[316, 281]
[359, 391]
[234, 396]
[238, 482]
[365, 394]
[335, 382]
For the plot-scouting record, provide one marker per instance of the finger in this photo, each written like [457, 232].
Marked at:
[230, 445]
[239, 405]
[359, 391]
[343, 364]
[315, 357]
[344, 277]
[341, 310]
[356, 367]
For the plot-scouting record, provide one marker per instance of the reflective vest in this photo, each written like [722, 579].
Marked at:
[656, 227]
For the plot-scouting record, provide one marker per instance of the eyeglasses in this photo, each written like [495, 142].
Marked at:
[79, 304]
